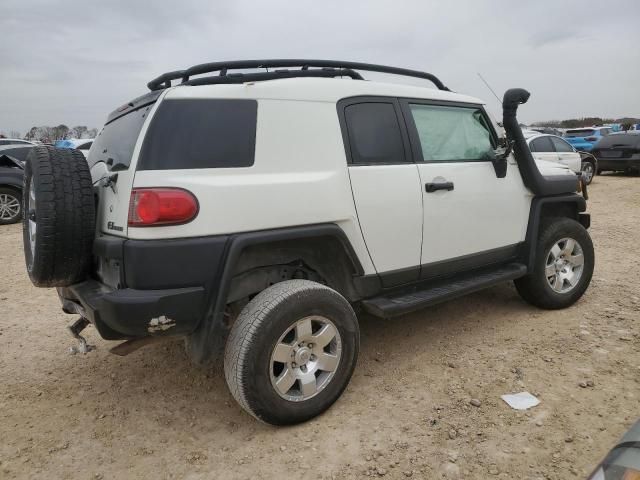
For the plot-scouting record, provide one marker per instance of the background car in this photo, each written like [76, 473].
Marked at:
[12, 159]
[551, 148]
[584, 139]
[82, 144]
[619, 152]
[14, 141]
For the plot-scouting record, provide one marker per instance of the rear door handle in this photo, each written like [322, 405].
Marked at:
[432, 187]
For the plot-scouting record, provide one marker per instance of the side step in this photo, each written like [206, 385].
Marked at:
[441, 290]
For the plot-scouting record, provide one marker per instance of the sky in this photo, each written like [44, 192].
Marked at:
[73, 62]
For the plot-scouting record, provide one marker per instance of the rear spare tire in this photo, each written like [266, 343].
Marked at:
[59, 221]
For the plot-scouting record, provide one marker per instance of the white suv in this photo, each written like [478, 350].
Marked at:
[257, 212]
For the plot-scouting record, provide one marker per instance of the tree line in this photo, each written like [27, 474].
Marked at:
[626, 122]
[46, 134]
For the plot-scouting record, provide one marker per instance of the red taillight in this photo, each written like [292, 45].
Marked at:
[591, 139]
[161, 206]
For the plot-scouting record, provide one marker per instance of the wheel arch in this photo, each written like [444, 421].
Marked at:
[570, 206]
[254, 261]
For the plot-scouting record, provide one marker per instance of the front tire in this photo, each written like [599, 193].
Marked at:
[588, 170]
[564, 261]
[291, 352]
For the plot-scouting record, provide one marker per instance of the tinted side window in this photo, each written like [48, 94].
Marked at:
[197, 133]
[84, 146]
[561, 146]
[452, 134]
[542, 144]
[374, 134]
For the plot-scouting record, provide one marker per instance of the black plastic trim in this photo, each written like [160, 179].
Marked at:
[441, 290]
[412, 276]
[133, 105]
[164, 80]
[535, 216]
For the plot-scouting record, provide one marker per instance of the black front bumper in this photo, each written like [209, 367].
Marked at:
[154, 287]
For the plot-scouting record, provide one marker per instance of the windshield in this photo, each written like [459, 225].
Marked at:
[583, 132]
[117, 139]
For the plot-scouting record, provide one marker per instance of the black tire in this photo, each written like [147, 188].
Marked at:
[248, 364]
[10, 206]
[535, 287]
[64, 216]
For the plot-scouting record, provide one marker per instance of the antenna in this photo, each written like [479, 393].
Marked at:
[489, 87]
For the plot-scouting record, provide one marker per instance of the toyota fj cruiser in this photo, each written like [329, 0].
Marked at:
[257, 211]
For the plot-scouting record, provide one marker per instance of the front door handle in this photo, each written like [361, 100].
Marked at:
[432, 187]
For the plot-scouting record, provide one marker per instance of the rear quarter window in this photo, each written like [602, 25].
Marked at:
[200, 133]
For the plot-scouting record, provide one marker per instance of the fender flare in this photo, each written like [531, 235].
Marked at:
[207, 341]
[535, 216]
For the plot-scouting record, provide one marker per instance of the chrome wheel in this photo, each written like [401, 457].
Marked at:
[31, 212]
[305, 358]
[9, 206]
[565, 263]
[588, 171]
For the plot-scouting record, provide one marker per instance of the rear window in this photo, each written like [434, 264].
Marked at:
[627, 140]
[374, 134]
[583, 132]
[197, 133]
[117, 139]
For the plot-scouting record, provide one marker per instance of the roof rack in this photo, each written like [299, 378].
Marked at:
[307, 68]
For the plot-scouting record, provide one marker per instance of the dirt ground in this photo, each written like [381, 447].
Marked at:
[406, 413]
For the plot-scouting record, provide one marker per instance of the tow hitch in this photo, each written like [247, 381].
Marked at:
[75, 329]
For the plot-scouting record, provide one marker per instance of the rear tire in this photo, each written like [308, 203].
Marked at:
[291, 352]
[59, 221]
[10, 206]
[563, 265]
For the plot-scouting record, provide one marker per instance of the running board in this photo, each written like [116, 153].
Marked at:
[442, 290]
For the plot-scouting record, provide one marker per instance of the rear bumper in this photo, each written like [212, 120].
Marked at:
[153, 287]
[129, 313]
[618, 164]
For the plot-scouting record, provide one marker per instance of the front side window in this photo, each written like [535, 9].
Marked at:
[452, 134]
[374, 134]
[561, 145]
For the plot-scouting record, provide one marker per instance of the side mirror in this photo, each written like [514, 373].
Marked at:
[500, 159]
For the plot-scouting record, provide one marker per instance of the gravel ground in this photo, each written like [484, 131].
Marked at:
[408, 412]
